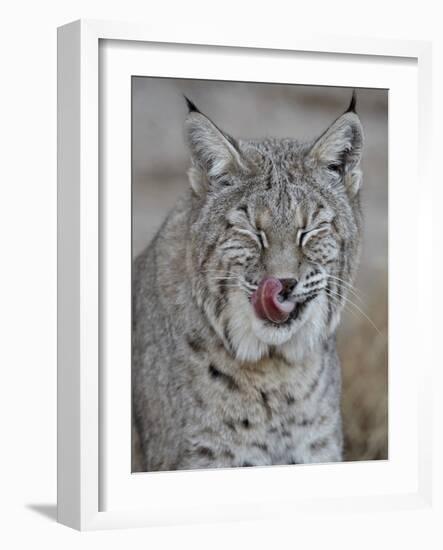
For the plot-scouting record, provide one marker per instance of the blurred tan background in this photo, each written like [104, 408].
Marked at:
[249, 110]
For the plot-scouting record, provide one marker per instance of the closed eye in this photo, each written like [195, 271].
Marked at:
[336, 168]
[262, 238]
[248, 233]
[303, 235]
[240, 220]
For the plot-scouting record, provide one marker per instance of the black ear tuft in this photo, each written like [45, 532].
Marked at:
[353, 105]
[191, 106]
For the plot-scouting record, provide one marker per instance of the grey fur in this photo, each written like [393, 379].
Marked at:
[213, 385]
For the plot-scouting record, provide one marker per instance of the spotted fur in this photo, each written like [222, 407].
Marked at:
[214, 385]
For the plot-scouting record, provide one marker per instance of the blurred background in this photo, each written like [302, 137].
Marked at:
[253, 110]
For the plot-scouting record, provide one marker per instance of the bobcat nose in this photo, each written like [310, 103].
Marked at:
[270, 299]
[288, 286]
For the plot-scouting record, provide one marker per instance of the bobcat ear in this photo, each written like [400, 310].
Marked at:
[339, 149]
[215, 155]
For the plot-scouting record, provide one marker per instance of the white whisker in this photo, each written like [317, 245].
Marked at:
[350, 287]
[345, 306]
[358, 309]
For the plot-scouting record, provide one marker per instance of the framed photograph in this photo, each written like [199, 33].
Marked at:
[234, 337]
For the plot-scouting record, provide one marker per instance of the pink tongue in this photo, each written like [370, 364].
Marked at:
[266, 303]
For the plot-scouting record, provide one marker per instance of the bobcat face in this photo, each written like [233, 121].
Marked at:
[275, 234]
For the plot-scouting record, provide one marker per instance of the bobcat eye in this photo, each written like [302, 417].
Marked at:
[262, 238]
[303, 235]
[336, 168]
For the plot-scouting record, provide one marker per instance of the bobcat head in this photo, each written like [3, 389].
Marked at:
[275, 233]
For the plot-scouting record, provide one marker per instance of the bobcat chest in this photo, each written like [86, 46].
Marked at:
[258, 413]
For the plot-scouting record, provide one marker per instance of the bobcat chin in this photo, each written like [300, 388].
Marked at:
[237, 299]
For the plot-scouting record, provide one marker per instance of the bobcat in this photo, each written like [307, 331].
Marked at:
[237, 299]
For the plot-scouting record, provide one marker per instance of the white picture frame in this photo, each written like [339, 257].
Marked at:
[95, 487]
